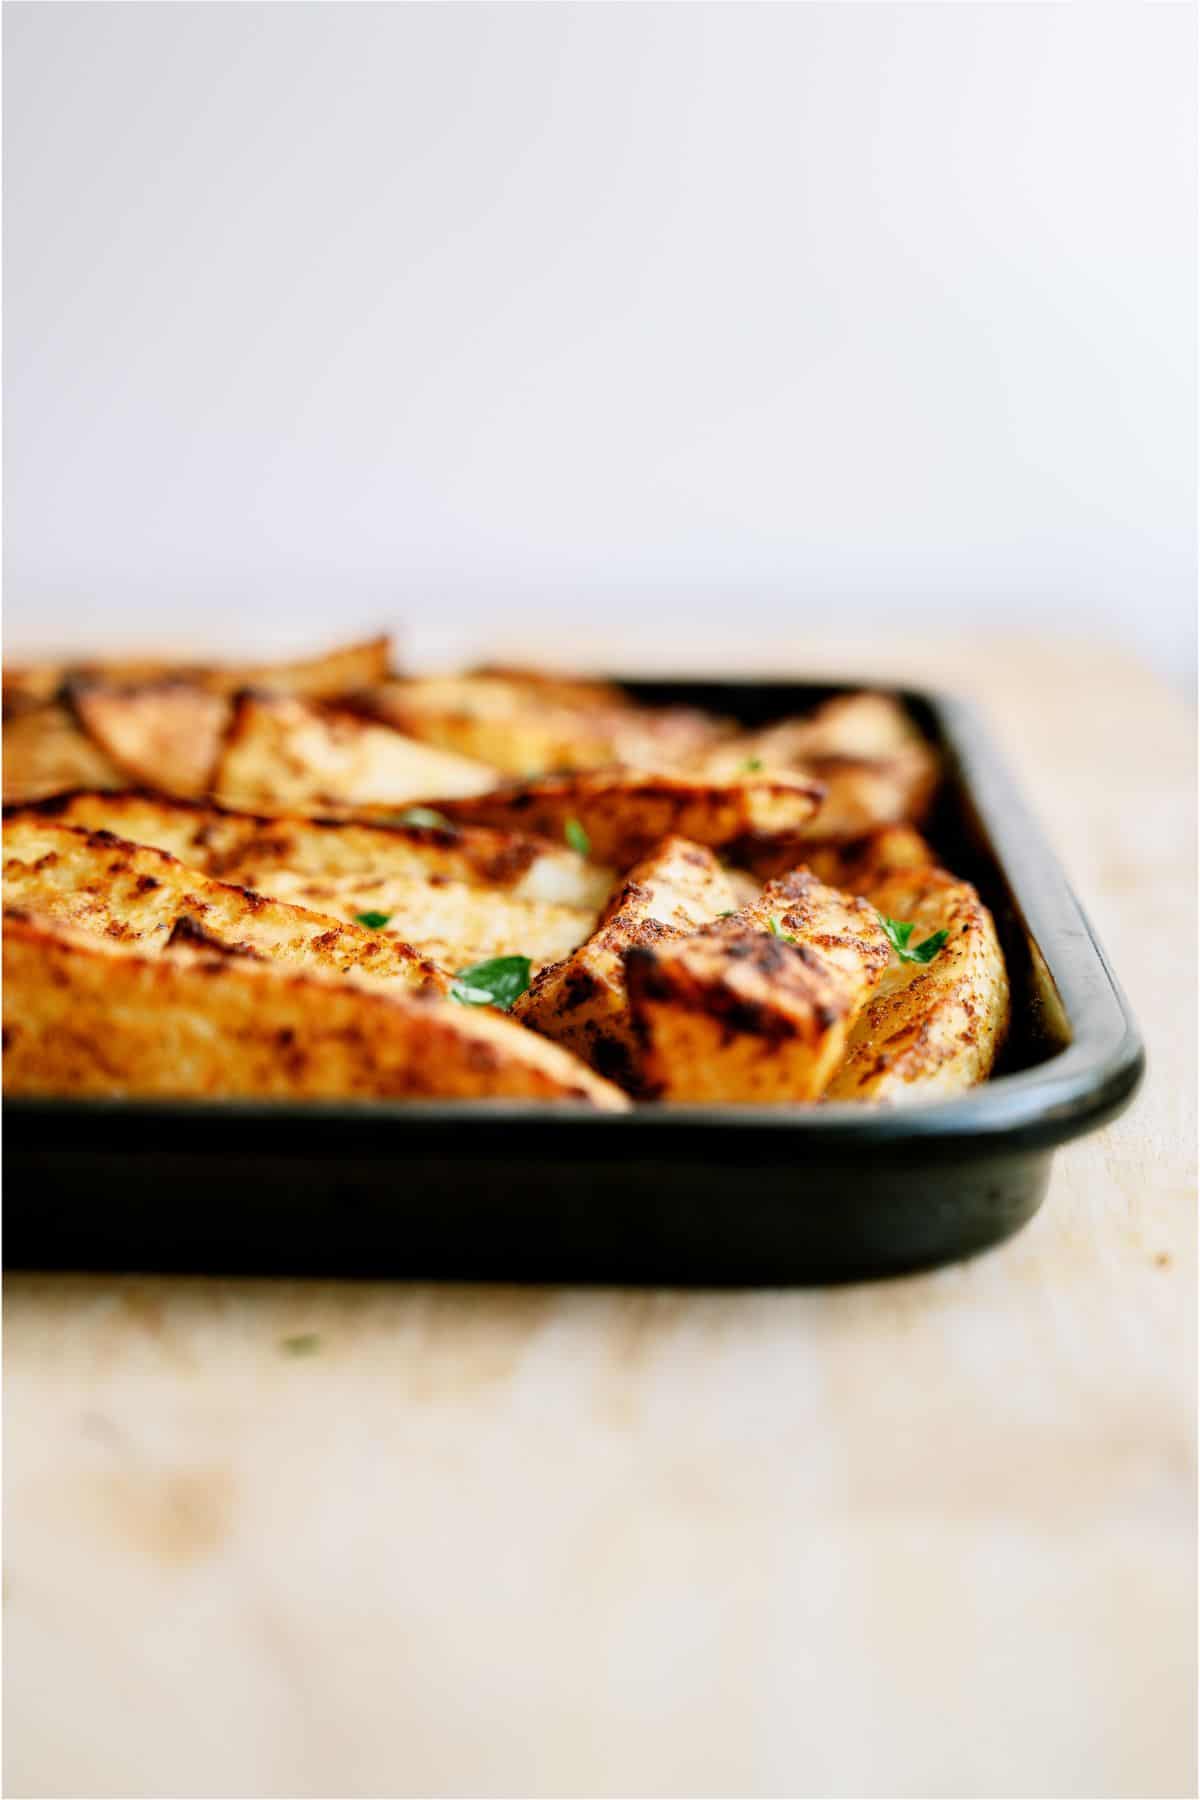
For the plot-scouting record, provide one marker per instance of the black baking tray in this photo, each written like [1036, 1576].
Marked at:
[661, 1194]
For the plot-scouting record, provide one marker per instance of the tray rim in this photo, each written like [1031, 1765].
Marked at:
[1073, 1091]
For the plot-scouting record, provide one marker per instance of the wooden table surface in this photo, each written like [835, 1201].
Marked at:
[928, 1537]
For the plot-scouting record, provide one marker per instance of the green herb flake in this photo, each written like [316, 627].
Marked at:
[577, 837]
[466, 995]
[928, 948]
[727, 915]
[375, 921]
[776, 930]
[305, 1343]
[899, 931]
[426, 817]
[495, 983]
[752, 765]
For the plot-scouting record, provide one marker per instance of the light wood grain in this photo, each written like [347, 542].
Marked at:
[929, 1537]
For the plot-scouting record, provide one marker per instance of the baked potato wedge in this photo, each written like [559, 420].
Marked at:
[129, 893]
[249, 848]
[322, 677]
[931, 1029]
[524, 729]
[756, 1008]
[165, 734]
[89, 1015]
[861, 796]
[29, 685]
[46, 751]
[450, 922]
[284, 754]
[875, 767]
[549, 684]
[866, 726]
[623, 813]
[33, 684]
[859, 866]
[200, 834]
[582, 1001]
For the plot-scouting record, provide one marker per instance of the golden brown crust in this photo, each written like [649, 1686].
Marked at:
[29, 685]
[46, 751]
[250, 848]
[165, 734]
[932, 1029]
[334, 672]
[525, 728]
[860, 864]
[84, 1015]
[861, 795]
[449, 922]
[582, 1001]
[865, 726]
[325, 677]
[131, 894]
[625, 812]
[552, 685]
[756, 1008]
[875, 767]
[283, 754]
[188, 829]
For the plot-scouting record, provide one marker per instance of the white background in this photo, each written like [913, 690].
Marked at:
[496, 321]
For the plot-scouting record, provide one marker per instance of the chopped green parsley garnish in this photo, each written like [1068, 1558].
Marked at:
[752, 765]
[776, 930]
[577, 837]
[899, 931]
[426, 816]
[303, 1344]
[495, 983]
[374, 920]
